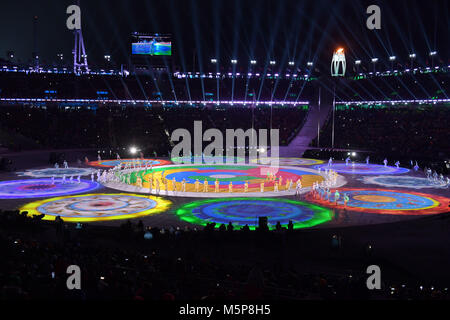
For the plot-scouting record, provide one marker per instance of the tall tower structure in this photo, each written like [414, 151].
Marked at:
[80, 63]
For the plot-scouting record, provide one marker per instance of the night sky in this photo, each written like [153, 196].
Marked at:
[283, 30]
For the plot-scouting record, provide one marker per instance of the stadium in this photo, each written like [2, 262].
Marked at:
[225, 150]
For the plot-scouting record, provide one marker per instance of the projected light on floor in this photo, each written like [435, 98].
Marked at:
[98, 207]
[132, 162]
[223, 174]
[290, 161]
[38, 188]
[384, 201]
[57, 172]
[404, 182]
[207, 160]
[245, 211]
[361, 168]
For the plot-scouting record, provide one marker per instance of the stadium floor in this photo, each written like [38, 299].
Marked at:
[373, 198]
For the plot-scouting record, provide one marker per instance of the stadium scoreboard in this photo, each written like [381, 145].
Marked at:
[151, 44]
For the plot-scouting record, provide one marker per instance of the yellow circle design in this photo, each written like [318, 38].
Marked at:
[374, 198]
[33, 208]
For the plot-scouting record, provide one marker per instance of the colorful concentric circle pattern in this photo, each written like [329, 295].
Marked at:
[385, 201]
[245, 211]
[39, 188]
[361, 168]
[98, 207]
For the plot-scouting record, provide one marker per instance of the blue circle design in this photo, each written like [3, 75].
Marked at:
[402, 200]
[38, 188]
[362, 168]
[73, 206]
[244, 212]
[57, 172]
[406, 182]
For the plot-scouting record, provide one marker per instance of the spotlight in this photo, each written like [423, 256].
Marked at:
[374, 60]
[353, 154]
[392, 58]
[357, 62]
[291, 63]
[233, 61]
[272, 62]
[433, 53]
[133, 150]
[107, 57]
[412, 56]
[213, 60]
[252, 61]
[309, 64]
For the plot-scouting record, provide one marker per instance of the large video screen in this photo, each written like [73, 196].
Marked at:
[152, 45]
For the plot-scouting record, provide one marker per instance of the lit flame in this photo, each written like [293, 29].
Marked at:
[340, 50]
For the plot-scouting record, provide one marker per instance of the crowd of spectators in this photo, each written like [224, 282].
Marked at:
[397, 132]
[161, 86]
[420, 130]
[174, 264]
[149, 128]
[408, 86]
[428, 84]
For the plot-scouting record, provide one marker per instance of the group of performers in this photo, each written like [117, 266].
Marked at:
[322, 192]
[436, 178]
[137, 164]
[330, 176]
[157, 182]
[65, 180]
[65, 165]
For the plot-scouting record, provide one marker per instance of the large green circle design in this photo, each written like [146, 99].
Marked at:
[245, 211]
